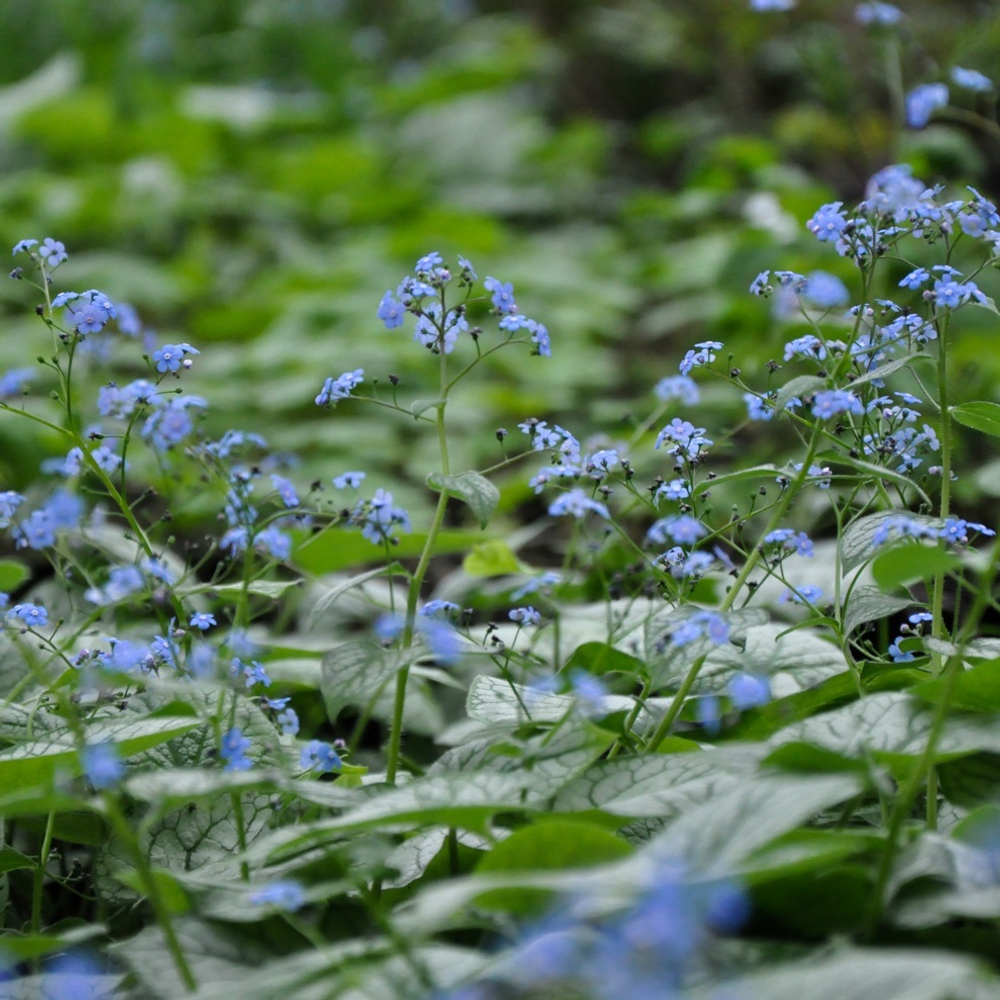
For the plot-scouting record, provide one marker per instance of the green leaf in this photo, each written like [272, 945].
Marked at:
[971, 781]
[801, 386]
[476, 490]
[976, 689]
[357, 674]
[493, 558]
[328, 597]
[420, 406]
[863, 974]
[272, 589]
[908, 563]
[602, 658]
[12, 574]
[338, 549]
[718, 835]
[869, 604]
[35, 761]
[980, 416]
[856, 544]
[659, 785]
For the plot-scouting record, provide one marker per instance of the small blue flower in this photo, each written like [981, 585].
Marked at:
[286, 894]
[884, 15]
[202, 620]
[467, 268]
[679, 387]
[680, 528]
[830, 402]
[286, 490]
[759, 285]
[709, 714]
[502, 295]
[826, 290]
[923, 101]
[349, 480]
[544, 583]
[749, 691]
[390, 311]
[321, 757]
[428, 262]
[171, 357]
[828, 224]
[288, 720]
[273, 542]
[13, 383]
[971, 79]
[701, 623]
[793, 541]
[24, 246]
[525, 616]
[801, 595]
[340, 387]
[771, 5]
[233, 750]
[52, 252]
[432, 608]
[102, 765]
[915, 278]
[576, 503]
[33, 615]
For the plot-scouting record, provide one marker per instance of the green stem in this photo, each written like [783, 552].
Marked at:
[937, 600]
[120, 825]
[39, 882]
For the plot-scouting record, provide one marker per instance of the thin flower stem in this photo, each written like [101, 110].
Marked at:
[39, 881]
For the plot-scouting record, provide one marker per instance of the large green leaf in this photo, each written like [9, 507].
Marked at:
[869, 604]
[857, 543]
[981, 416]
[476, 490]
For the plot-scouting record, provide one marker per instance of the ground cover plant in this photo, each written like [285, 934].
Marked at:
[701, 702]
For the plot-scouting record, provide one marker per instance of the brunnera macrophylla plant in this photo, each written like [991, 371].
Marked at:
[152, 697]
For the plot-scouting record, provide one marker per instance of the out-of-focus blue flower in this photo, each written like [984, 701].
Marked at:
[442, 608]
[168, 425]
[830, 402]
[576, 503]
[923, 101]
[12, 383]
[233, 750]
[286, 894]
[349, 480]
[286, 490]
[288, 720]
[749, 691]
[102, 765]
[543, 583]
[23, 246]
[826, 290]
[320, 757]
[680, 387]
[883, 15]
[525, 616]
[791, 541]
[800, 595]
[971, 79]
[680, 528]
[772, 5]
[702, 623]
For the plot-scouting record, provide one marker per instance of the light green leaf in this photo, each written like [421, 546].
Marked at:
[493, 558]
[802, 385]
[357, 674]
[658, 785]
[864, 974]
[869, 604]
[476, 490]
[326, 600]
[980, 416]
[904, 564]
[12, 574]
[420, 406]
[233, 591]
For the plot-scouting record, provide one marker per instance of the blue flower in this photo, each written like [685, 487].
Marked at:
[830, 402]
[525, 616]
[759, 285]
[826, 290]
[676, 489]
[52, 252]
[321, 757]
[971, 79]
[701, 623]
[286, 490]
[502, 295]
[390, 311]
[33, 615]
[202, 620]
[432, 608]
[273, 542]
[915, 278]
[576, 503]
[749, 691]
[801, 595]
[708, 712]
[350, 480]
[91, 312]
[340, 387]
[170, 424]
[9, 502]
[24, 246]
[680, 528]
[545, 582]
[428, 262]
[701, 354]
[286, 894]
[769, 5]
[902, 526]
[444, 642]
[170, 357]
[288, 720]
[468, 270]
[379, 518]
[882, 14]
[102, 764]
[12, 383]
[679, 387]
[923, 101]
[233, 750]
[792, 541]
[828, 224]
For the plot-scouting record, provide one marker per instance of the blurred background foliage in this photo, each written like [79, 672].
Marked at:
[252, 176]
